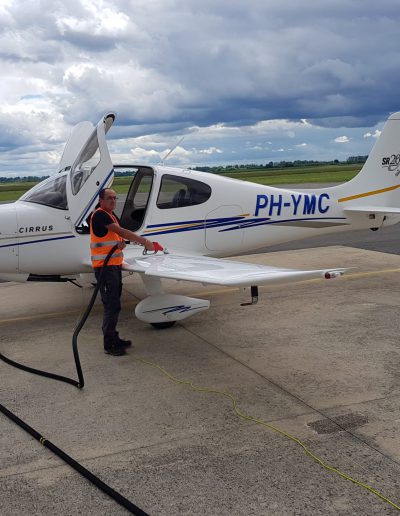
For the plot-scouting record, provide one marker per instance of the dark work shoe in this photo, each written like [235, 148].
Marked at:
[115, 351]
[123, 343]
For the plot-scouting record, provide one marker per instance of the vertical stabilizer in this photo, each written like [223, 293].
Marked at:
[378, 182]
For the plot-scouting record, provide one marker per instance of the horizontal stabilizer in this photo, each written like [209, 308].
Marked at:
[215, 271]
[386, 210]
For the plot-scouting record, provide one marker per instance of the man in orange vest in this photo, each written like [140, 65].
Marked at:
[105, 232]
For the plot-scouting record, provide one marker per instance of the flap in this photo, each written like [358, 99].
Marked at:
[207, 270]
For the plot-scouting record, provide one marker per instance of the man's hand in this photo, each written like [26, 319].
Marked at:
[131, 236]
[121, 245]
[149, 246]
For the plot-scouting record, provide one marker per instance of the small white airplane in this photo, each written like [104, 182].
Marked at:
[199, 217]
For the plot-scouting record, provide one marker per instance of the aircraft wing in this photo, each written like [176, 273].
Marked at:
[217, 271]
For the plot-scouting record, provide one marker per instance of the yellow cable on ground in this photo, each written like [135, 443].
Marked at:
[240, 414]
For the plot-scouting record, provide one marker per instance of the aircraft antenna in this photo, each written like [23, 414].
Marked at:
[171, 151]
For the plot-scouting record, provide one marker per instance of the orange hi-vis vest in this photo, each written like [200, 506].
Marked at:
[101, 246]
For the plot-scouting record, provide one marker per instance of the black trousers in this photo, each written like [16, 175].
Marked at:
[110, 289]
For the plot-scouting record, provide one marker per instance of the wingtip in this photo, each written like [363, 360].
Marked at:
[334, 273]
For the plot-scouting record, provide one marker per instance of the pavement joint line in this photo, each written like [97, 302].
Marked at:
[138, 448]
[206, 293]
[286, 391]
[372, 400]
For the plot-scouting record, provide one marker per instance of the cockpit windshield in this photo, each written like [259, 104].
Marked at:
[50, 192]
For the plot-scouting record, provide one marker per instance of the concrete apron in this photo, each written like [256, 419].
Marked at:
[306, 356]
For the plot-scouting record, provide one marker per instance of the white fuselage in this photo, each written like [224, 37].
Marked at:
[238, 217]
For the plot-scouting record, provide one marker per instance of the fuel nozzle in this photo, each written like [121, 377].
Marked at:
[157, 248]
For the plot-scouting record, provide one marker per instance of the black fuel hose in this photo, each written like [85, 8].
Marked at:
[81, 381]
[131, 507]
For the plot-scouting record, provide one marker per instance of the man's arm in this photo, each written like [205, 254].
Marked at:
[131, 236]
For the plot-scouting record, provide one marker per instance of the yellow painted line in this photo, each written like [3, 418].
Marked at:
[129, 304]
[369, 273]
[213, 292]
[38, 316]
[367, 194]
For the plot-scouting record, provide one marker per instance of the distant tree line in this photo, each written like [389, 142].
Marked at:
[37, 179]
[281, 164]
[356, 159]
[123, 174]
[227, 168]
[23, 179]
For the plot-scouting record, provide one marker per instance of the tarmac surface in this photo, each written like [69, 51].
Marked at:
[318, 359]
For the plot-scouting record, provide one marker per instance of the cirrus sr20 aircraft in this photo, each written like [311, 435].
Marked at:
[199, 217]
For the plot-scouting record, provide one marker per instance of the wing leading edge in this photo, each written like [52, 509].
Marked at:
[202, 269]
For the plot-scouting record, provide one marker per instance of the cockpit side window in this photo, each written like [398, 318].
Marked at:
[137, 200]
[51, 192]
[180, 192]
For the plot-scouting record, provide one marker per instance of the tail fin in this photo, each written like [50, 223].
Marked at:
[377, 185]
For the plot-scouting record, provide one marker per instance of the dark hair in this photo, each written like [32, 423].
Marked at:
[102, 193]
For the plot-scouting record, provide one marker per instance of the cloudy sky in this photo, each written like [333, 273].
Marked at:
[242, 80]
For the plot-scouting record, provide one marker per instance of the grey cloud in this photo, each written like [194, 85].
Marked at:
[90, 42]
[347, 121]
[168, 66]
[240, 75]
[234, 62]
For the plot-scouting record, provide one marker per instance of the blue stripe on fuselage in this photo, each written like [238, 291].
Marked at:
[15, 244]
[264, 222]
[238, 222]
